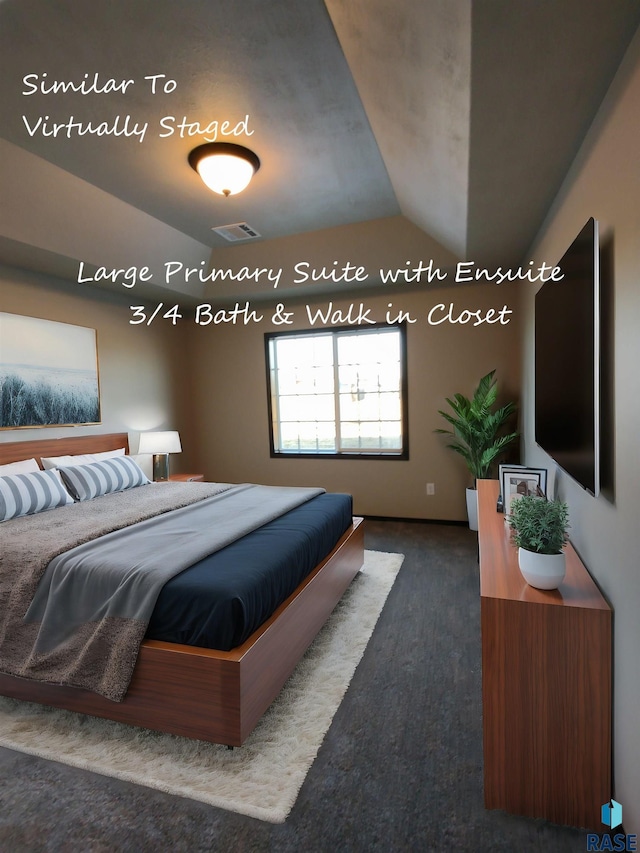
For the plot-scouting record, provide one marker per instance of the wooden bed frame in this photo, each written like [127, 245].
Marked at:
[194, 692]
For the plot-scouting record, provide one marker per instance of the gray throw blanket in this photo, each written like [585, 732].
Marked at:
[87, 613]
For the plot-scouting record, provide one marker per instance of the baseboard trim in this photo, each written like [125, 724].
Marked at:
[451, 522]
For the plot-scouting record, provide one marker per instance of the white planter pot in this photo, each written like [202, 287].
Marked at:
[544, 571]
[472, 508]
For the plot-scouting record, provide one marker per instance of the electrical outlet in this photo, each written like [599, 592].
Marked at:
[431, 488]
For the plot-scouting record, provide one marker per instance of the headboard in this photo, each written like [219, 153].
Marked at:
[14, 451]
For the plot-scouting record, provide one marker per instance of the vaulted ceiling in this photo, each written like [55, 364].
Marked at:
[387, 132]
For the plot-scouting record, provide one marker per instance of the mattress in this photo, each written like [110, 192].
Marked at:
[221, 600]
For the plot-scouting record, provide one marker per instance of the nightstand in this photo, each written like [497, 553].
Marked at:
[186, 478]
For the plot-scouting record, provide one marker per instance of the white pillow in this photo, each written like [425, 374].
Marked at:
[80, 459]
[26, 494]
[24, 467]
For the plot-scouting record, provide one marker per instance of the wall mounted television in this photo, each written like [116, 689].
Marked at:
[567, 362]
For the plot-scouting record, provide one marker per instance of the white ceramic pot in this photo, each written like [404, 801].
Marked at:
[544, 571]
[472, 508]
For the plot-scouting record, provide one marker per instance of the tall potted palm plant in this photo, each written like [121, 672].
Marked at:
[478, 433]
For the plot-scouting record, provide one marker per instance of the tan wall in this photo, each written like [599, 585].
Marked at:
[228, 364]
[210, 383]
[604, 184]
[143, 373]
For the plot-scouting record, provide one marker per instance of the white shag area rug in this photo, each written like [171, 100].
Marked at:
[261, 778]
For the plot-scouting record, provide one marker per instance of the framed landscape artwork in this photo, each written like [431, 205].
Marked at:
[48, 373]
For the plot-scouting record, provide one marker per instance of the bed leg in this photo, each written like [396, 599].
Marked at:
[229, 746]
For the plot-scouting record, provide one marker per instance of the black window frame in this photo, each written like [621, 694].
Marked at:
[400, 455]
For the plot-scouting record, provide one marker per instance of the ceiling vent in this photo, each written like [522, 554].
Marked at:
[238, 231]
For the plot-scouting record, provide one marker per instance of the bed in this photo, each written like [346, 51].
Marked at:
[193, 691]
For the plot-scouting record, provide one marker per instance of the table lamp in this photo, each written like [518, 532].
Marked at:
[161, 444]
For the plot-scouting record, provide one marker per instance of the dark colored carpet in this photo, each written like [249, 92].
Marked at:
[399, 770]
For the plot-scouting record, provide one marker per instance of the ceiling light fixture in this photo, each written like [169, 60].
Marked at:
[225, 168]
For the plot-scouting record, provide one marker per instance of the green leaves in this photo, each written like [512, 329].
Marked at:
[475, 427]
[539, 525]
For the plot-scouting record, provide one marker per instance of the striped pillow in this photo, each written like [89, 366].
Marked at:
[101, 478]
[26, 494]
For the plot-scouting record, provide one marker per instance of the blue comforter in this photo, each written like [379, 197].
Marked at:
[221, 600]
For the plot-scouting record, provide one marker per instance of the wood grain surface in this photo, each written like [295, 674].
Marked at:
[546, 684]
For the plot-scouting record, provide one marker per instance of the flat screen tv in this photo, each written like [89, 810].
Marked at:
[567, 362]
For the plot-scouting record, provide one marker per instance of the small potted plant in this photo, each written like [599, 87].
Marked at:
[478, 433]
[540, 530]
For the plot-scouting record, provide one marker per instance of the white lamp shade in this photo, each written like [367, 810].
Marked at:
[225, 174]
[226, 168]
[164, 441]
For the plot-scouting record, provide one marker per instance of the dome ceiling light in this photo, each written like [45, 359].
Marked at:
[225, 168]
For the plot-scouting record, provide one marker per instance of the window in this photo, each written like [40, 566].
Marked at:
[340, 392]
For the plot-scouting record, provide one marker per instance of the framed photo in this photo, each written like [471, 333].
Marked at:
[519, 480]
[48, 373]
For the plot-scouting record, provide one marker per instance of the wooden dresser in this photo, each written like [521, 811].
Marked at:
[546, 683]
